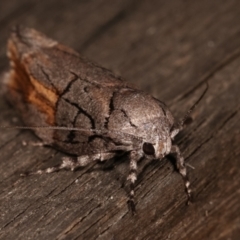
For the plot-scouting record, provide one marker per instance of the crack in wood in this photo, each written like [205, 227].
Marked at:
[17, 216]
[109, 24]
[89, 213]
[209, 75]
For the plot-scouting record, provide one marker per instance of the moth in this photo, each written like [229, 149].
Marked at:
[85, 110]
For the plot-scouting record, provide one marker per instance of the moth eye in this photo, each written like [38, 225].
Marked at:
[148, 149]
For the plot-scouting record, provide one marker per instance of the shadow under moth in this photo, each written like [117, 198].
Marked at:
[85, 110]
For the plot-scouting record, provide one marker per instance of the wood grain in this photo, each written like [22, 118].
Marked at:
[166, 48]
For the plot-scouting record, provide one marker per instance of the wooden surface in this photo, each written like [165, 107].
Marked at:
[166, 48]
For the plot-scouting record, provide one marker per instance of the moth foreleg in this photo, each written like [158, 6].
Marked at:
[132, 178]
[86, 159]
[180, 163]
[72, 163]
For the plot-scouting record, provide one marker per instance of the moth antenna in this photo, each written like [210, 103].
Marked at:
[179, 125]
[71, 129]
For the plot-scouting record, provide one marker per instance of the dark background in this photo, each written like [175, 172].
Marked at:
[166, 48]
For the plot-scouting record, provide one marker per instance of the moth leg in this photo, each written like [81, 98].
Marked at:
[132, 177]
[35, 144]
[72, 163]
[181, 168]
[82, 161]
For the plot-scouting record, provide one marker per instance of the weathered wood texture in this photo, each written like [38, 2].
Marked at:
[165, 47]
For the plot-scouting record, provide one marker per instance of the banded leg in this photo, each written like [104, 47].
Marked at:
[71, 163]
[182, 169]
[36, 143]
[132, 177]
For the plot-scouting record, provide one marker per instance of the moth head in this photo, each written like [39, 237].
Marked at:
[158, 149]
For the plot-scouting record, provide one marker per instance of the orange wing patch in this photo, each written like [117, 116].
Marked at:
[31, 90]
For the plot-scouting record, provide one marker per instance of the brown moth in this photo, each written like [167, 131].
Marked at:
[85, 110]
